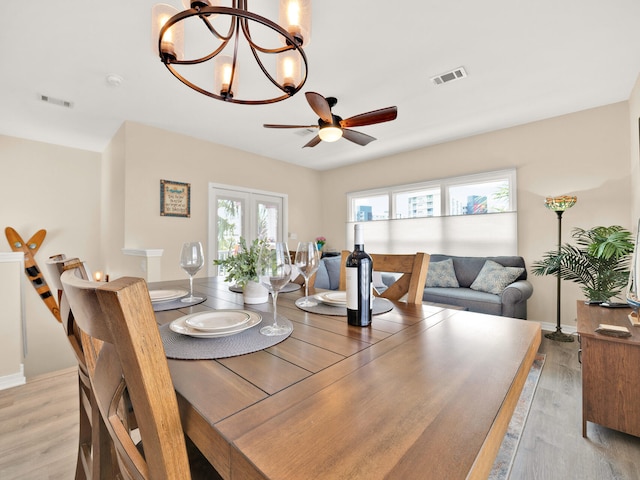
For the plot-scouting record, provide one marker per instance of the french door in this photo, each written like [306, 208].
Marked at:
[236, 212]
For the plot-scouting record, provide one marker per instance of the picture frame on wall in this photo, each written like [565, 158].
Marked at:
[175, 199]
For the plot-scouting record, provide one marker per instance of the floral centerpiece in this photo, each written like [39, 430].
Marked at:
[320, 241]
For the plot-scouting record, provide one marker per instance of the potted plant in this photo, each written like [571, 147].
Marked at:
[240, 269]
[599, 261]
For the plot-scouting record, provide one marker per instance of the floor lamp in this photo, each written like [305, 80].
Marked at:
[559, 205]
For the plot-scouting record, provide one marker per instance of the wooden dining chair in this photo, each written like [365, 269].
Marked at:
[95, 459]
[412, 267]
[124, 355]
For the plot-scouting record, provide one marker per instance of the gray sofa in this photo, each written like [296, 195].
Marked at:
[490, 297]
[497, 299]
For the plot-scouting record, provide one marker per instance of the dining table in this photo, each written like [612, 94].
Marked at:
[426, 391]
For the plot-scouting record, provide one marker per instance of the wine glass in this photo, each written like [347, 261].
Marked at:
[307, 260]
[274, 272]
[191, 261]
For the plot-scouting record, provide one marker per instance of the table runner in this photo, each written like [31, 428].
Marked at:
[175, 304]
[380, 305]
[183, 347]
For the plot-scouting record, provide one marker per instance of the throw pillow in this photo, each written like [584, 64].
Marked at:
[442, 274]
[494, 278]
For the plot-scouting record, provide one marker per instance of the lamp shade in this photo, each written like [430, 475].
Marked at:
[330, 134]
[172, 42]
[289, 72]
[295, 18]
[224, 70]
[560, 204]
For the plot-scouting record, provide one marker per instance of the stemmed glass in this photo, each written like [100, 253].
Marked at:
[274, 272]
[191, 261]
[307, 261]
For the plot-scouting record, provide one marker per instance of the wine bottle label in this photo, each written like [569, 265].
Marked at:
[352, 287]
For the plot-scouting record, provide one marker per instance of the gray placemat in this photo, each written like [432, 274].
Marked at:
[183, 347]
[175, 304]
[289, 287]
[380, 305]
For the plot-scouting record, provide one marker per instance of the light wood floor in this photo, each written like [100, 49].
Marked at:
[38, 429]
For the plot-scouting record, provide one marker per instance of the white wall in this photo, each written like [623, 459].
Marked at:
[56, 189]
[12, 285]
[634, 147]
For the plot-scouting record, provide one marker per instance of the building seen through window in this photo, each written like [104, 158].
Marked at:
[492, 192]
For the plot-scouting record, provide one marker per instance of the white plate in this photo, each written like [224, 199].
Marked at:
[218, 320]
[333, 298]
[180, 326]
[158, 296]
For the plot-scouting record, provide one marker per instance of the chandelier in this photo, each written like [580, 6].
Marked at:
[209, 47]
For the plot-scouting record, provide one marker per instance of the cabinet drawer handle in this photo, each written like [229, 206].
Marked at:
[580, 356]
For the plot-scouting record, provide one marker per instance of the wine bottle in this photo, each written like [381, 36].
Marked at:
[359, 274]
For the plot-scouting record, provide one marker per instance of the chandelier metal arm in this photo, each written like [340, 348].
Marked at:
[254, 47]
[224, 38]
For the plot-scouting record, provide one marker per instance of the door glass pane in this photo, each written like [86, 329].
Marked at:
[486, 197]
[267, 221]
[418, 203]
[375, 207]
[229, 226]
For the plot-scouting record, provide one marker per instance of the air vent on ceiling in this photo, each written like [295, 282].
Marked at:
[55, 101]
[456, 74]
[303, 132]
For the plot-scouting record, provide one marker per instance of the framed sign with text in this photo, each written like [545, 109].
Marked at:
[175, 199]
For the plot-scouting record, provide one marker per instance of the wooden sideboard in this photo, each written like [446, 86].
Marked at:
[610, 370]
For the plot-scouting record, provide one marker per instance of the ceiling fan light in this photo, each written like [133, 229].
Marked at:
[295, 18]
[330, 134]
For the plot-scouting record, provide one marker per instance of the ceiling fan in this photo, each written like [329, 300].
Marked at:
[332, 127]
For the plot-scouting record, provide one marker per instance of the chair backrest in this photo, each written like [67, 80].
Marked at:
[413, 268]
[124, 354]
[95, 450]
[56, 266]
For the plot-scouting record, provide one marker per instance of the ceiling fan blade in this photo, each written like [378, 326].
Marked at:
[370, 118]
[313, 142]
[271, 125]
[320, 105]
[357, 137]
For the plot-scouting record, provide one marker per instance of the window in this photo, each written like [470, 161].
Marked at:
[470, 215]
[491, 192]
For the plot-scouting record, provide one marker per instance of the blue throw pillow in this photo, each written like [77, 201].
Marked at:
[494, 278]
[442, 274]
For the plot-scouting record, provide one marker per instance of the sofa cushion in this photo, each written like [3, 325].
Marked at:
[467, 268]
[473, 300]
[442, 274]
[494, 278]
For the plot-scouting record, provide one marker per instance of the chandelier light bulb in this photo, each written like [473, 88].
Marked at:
[223, 72]
[295, 18]
[172, 41]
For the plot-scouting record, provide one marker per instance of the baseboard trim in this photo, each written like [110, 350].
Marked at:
[13, 380]
[551, 327]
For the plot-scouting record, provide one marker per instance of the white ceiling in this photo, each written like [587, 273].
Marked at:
[525, 61]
